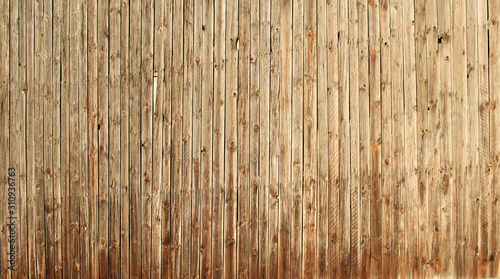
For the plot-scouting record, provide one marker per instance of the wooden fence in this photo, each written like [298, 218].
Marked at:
[249, 139]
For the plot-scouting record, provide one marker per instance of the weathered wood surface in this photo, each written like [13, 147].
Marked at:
[251, 139]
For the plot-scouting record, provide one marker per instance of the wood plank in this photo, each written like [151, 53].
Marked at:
[354, 167]
[103, 134]
[4, 124]
[176, 149]
[397, 167]
[344, 137]
[23, 179]
[310, 140]
[254, 121]
[135, 177]
[376, 248]
[14, 144]
[83, 266]
[323, 129]
[207, 148]
[445, 147]
[124, 141]
[166, 142]
[65, 140]
[93, 141]
[231, 143]
[364, 139]
[157, 141]
[410, 138]
[297, 139]
[274, 151]
[196, 136]
[218, 137]
[386, 92]
[243, 134]
[472, 168]
[114, 144]
[187, 134]
[484, 132]
[146, 124]
[264, 144]
[494, 62]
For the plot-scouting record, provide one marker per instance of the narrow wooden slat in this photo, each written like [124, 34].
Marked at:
[310, 140]
[93, 141]
[114, 139]
[157, 141]
[65, 141]
[445, 147]
[274, 151]
[243, 134]
[397, 185]
[4, 139]
[14, 135]
[196, 136]
[83, 266]
[297, 138]
[187, 133]
[218, 137]
[23, 179]
[322, 143]
[264, 171]
[103, 134]
[458, 128]
[176, 149]
[494, 62]
[354, 167]
[364, 139]
[46, 90]
[376, 248]
[124, 240]
[386, 92]
[207, 113]
[40, 85]
[231, 143]
[410, 139]
[472, 168]
[333, 89]
[135, 176]
[484, 132]
[146, 124]
[166, 142]
[254, 122]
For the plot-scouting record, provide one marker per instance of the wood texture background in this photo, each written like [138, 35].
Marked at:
[251, 139]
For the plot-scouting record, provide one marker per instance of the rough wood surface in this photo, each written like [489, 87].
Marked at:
[250, 139]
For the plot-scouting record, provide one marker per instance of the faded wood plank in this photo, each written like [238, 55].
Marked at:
[146, 124]
[243, 134]
[274, 151]
[494, 62]
[124, 240]
[310, 207]
[208, 103]
[297, 128]
[218, 137]
[115, 139]
[231, 143]
[134, 129]
[376, 248]
[254, 121]
[264, 144]
[333, 89]
[157, 106]
[484, 132]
